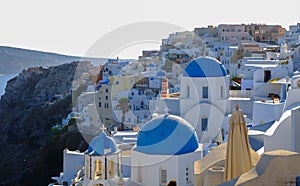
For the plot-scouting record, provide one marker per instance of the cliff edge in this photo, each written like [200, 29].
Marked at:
[31, 152]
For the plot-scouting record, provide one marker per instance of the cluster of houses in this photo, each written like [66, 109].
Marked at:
[176, 102]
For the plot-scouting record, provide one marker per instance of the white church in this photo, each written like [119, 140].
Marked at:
[167, 148]
[102, 162]
[204, 96]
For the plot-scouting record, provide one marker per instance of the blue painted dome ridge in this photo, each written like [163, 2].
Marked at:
[223, 70]
[161, 129]
[100, 143]
[151, 65]
[186, 149]
[205, 67]
[160, 73]
[193, 70]
[167, 135]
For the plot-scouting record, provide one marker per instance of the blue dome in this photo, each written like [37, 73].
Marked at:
[167, 135]
[160, 74]
[102, 145]
[151, 65]
[205, 67]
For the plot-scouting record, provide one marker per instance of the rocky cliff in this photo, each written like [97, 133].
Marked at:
[13, 60]
[31, 152]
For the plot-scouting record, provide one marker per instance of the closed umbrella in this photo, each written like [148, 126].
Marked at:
[219, 138]
[238, 156]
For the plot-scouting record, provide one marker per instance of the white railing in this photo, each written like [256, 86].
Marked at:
[241, 93]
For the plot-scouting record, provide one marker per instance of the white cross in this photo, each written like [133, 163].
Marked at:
[103, 128]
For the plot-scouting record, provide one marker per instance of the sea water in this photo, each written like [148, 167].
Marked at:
[4, 78]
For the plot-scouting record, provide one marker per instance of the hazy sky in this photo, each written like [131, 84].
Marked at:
[72, 26]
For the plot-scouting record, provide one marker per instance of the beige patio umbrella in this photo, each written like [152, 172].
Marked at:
[238, 156]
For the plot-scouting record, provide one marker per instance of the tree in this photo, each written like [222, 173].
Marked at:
[124, 106]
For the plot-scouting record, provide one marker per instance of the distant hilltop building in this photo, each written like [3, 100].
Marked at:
[149, 53]
[292, 37]
[233, 33]
[209, 31]
[265, 33]
[259, 32]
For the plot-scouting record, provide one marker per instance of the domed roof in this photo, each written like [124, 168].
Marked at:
[102, 145]
[167, 135]
[151, 65]
[205, 67]
[160, 74]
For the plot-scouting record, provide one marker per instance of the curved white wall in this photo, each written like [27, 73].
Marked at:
[279, 135]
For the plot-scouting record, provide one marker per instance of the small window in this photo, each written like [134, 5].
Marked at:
[98, 169]
[267, 75]
[163, 177]
[99, 104]
[106, 97]
[188, 91]
[188, 175]
[204, 122]
[139, 173]
[111, 169]
[106, 90]
[222, 91]
[298, 83]
[87, 165]
[204, 92]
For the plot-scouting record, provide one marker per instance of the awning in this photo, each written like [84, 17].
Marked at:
[285, 80]
[234, 84]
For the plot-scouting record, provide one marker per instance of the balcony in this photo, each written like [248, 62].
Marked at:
[241, 93]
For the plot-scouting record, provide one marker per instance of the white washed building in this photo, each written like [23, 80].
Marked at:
[284, 134]
[166, 149]
[102, 162]
[204, 96]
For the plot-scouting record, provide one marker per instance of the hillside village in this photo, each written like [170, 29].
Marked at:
[162, 116]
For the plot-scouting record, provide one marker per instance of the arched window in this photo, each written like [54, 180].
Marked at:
[204, 123]
[204, 92]
[111, 169]
[139, 173]
[98, 169]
